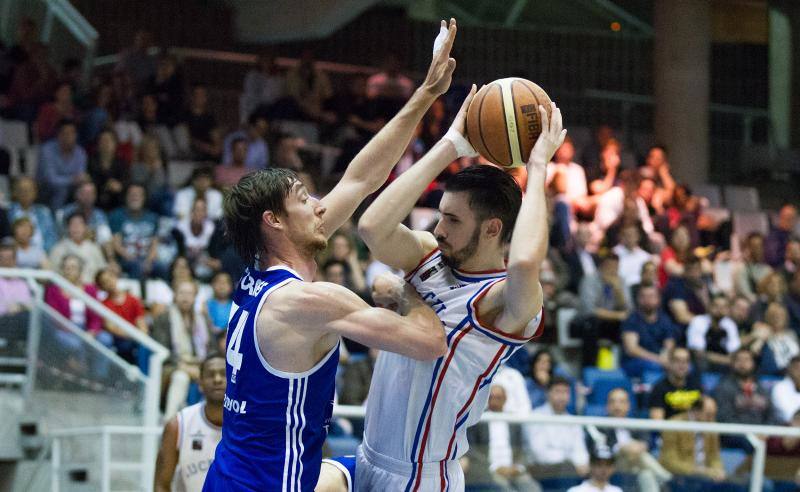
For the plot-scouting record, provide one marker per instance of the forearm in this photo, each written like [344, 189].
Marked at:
[529, 240]
[394, 204]
[640, 353]
[609, 315]
[720, 359]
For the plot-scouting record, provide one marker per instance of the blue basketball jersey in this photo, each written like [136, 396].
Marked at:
[274, 423]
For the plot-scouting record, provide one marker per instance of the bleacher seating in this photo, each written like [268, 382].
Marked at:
[746, 222]
[742, 198]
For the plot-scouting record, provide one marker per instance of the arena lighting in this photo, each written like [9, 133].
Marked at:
[615, 26]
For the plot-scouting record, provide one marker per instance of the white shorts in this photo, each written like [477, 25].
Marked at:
[375, 472]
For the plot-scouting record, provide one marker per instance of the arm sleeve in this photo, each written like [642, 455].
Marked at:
[695, 338]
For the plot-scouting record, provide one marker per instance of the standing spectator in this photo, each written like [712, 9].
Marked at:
[25, 191]
[263, 86]
[604, 306]
[693, 454]
[96, 219]
[228, 174]
[601, 468]
[194, 235]
[308, 88]
[33, 82]
[781, 345]
[79, 243]
[109, 173]
[631, 256]
[675, 256]
[590, 159]
[201, 127]
[134, 230]
[688, 296]
[218, 307]
[150, 124]
[753, 269]
[74, 309]
[648, 335]
[390, 83]
[779, 235]
[713, 337]
[128, 307]
[786, 393]
[61, 108]
[97, 116]
[188, 338]
[556, 450]
[791, 258]
[167, 87]
[200, 187]
[254, 135]
[542, 368]
[62, 163]
[136, 61]
[741, 314]
[29, 255]
[150, 171]
[746, 401]
[571, 175]
[792, 302]
[630, 448]
[656, 167]
[678, 391]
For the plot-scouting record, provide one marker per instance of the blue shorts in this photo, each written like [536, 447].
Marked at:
[346, 465]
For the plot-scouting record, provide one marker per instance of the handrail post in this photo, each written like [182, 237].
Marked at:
[105, 471]
[759, 461]
[34, 338]
[151, 413]
[55, 465]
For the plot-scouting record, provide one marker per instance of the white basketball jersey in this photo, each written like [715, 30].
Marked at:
[197, 441]
[418, 412]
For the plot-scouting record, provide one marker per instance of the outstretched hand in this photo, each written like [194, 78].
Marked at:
[440, 73]
[551, 138]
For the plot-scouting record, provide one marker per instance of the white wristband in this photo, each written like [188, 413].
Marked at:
[462, 145]
[439, 41]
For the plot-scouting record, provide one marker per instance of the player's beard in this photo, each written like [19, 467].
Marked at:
[455, 259]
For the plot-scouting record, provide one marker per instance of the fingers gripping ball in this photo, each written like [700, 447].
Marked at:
[503, 120]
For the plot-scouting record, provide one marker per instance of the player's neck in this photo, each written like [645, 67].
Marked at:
[304, 265]
[483, 261]
[213, 414]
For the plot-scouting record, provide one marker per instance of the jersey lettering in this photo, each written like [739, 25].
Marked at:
[233, 356]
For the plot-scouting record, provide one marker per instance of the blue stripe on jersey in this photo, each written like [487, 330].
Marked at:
[275, 423]
[464, 278]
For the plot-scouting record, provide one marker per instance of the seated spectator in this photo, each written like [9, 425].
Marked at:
[629, 448]
[390, 83]
[136, 61]
[604, 177]
[15, 305]
[695, 458]
[307, 87]
[188, 338]
[771, 288]
[571, 175]
[579, 260]
[678, 391]
[150, 171]
[632, 215]
[684, 209]
[96, 219]
[553, 449]
[109, 173]
[713, 337]
[631, 256]
[779, 235]
[97, 117]
[79, 243]
[60, 108]
[688, 296]
[492, 445]
[70, 307]
[675, 255]
[343, 250]
[263, 86]
[746, 401]
[201, 127]
[357, 119]
[781, 345]
[791, 259]
[604, 306]
[134, 230]
[128, 307]
[656, 167]
[792, 302]
[160, 294]
[538, 380]
[229, 173]
[607, 190]
[194, 234]
[62, 163]
[149, 123]
[222, 255]
[786, 393]
[255, 137]
[648, 335]
[782, 455]
[287, 152]
[25, 192]
[28, 254]
[753, 268]
[33, 81]
[166, 84]
[218, 307]
[648, 277]
[200, 187]
[601, 468]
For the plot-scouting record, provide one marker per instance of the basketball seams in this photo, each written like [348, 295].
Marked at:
[519, 133]
[480, 127]
[511, 156]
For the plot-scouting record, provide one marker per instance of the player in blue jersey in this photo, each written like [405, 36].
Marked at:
[284, 330]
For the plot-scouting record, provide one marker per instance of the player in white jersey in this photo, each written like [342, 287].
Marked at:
[418, 412]
[190, 437]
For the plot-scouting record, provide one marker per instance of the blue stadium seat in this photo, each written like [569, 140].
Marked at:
[768, 381]
[601, 382]
[709, 381]
[652, 377]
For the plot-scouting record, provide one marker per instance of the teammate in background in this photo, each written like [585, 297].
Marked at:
[284, 333]
[417, 411]
[191, 436]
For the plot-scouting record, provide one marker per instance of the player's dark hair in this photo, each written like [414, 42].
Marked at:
[492, 193]
[209, 358]
[245, 203]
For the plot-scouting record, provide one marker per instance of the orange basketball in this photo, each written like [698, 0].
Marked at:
[503, 120]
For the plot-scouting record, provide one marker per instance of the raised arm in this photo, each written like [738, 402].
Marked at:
[370, 167]
[522, 293]
[381, 226]
[330, 308]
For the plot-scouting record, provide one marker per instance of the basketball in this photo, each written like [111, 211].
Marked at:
[503, 120]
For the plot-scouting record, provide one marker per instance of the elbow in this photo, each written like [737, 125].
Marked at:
[368, 228]
[433, 349]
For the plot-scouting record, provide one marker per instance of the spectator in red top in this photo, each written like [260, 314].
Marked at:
[675, 255]
[32, 84]
[61, 107]
[127, 306]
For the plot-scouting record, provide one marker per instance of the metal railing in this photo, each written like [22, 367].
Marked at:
[76, 24]
[158, 354]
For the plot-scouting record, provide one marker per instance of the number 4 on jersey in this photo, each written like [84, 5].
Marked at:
[233, 356]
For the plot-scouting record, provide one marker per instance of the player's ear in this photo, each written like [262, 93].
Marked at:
[271, 219]
[493, 227]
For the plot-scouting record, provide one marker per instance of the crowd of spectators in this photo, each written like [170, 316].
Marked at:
[703, 324]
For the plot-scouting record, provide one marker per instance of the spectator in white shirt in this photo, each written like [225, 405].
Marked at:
[600, 471]
[569, 177]
[200, 187]
[786, 393]
[556, 450]
[631, 256]
[713, 337]
[513, 382]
